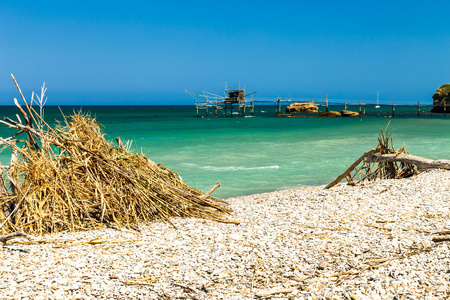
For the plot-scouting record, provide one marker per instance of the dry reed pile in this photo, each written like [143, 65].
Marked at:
[71, 178]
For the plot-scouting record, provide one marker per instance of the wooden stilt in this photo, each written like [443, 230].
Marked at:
[289, 102]
[196, 105]
[279, 105]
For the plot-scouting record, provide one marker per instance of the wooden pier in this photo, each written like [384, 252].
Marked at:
[236, 103]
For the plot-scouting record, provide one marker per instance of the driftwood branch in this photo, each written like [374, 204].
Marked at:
[390, 163]
[30, 123]
[18, 125]
[28, 129]
[13, 235]
[24, 114]
[421, 162]
[20, 91]
[352, 167]
[10, 140]
[208, 193]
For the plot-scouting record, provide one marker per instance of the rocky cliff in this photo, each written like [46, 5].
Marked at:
[308, 107]
[441, 99]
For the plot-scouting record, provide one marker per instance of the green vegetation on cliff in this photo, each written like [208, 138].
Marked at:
[445, 87]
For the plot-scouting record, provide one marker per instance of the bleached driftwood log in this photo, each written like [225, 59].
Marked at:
[421, 162]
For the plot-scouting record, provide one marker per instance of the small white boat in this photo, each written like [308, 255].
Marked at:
[378, 105]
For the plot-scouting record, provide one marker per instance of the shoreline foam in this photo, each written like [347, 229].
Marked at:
[372, 241]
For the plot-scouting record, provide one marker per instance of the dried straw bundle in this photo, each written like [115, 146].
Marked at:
[71, 178]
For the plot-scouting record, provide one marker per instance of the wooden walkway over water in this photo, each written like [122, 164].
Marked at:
[216, 108]
[236, 102]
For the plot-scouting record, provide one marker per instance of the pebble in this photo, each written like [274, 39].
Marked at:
[322, 265]
[370, 241]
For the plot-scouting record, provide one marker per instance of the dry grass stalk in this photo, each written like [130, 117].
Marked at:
[71, 178]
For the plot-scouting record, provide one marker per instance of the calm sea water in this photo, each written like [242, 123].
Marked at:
[262, 153]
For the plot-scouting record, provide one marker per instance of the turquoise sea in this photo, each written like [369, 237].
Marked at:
[262, 153]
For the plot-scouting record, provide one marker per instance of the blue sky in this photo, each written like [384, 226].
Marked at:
[149, 52]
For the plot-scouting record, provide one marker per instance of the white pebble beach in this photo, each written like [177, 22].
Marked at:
[387, 239]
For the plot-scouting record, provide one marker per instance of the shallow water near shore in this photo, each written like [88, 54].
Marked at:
[257, 154]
